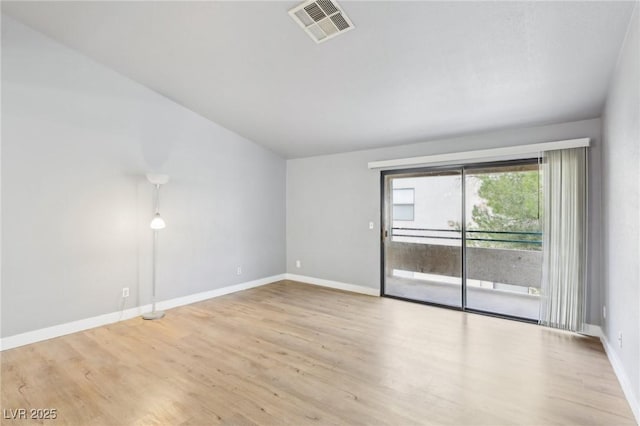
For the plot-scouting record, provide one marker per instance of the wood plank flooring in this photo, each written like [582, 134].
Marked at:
[296, 354]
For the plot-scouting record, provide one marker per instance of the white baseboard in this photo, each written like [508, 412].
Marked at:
[618, 368]
[41, 334]
[333, 284]
[193, 298]
[97, 321]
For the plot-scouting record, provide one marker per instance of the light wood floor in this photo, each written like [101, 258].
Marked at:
[290, 353]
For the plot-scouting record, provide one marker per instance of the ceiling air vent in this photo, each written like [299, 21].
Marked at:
[321, 19]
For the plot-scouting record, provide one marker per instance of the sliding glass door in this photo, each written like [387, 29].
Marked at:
[504, 239]
[467, 237]
[423, 244]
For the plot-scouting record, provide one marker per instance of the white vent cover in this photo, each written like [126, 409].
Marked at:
[321, 19]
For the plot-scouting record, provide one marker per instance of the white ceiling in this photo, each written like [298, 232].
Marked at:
[409, 72]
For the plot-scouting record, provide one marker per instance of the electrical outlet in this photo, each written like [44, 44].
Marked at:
[125, 292]
[298, 264]
[239, 270]
[604, 312]
[620, 338]
[371, 225]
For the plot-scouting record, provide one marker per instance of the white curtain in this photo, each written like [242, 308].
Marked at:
[564, 239]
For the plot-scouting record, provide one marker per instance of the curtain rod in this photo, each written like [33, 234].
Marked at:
[531, 149]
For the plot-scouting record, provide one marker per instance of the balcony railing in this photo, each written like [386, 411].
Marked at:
[401, 232]
[514, 260]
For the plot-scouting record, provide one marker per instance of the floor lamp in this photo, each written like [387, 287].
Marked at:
[157, 223]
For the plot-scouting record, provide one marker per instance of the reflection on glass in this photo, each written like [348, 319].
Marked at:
[504, 240]
[423, 254]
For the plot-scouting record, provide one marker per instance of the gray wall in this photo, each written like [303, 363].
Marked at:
[331, 199]
[77, 140]
[621, 207]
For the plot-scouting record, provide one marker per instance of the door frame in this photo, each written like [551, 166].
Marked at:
[383, 225]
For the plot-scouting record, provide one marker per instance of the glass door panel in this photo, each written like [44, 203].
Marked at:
[503, 253]
[423, 240]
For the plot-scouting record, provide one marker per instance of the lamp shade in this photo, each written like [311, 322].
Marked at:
[157, 222]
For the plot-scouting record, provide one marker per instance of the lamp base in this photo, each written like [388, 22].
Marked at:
[153, 315]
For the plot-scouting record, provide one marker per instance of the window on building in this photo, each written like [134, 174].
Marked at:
[403, 204]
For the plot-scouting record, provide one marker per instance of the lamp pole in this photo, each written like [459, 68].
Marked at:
[157, 223]
[154, 314]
